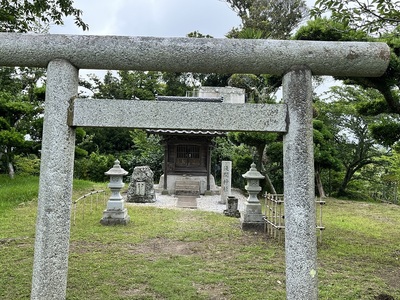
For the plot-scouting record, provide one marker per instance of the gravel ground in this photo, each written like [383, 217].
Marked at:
[208, 203]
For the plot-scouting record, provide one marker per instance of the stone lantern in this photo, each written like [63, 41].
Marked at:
[115, 213]
[252, 218]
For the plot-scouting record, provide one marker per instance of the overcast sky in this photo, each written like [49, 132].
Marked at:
[161, 18]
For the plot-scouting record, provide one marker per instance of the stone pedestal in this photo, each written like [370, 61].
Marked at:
[252, 218]
[232, 207]
[141, 188]
[115, 213]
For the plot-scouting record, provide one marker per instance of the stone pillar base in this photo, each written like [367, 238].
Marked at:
[115, 217]
[252, 218]
[255, 226]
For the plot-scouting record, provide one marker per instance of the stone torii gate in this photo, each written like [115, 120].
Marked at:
[297, 61]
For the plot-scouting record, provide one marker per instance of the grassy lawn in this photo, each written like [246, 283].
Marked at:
[189, 254]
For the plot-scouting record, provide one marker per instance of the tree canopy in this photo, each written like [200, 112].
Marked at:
[269, 19]
[387, 85]
[26, 16]
[374, 16]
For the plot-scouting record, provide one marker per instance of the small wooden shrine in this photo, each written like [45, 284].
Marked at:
[187, 158]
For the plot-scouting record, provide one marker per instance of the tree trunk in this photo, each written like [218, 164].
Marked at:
[260, 154]
[269, 186]
[11, 170]
[319, 184]
[345, 182]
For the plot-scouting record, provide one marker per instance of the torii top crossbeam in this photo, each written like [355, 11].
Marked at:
[362, 59]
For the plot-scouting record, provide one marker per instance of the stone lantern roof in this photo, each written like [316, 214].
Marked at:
[116, 170]
[253, 173]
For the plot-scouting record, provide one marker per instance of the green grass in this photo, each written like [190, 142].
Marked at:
[189, 254]
[24, 189]
[17, 191]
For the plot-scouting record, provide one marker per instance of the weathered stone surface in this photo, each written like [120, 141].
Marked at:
[252, 217]
[226, 180]
[50, 264]
[232, 207]
[115, 217]
[172, 179]
[188, 187]
[195, 55]
[115, 213]
[179, 115]
[298, 157]
[141, 188]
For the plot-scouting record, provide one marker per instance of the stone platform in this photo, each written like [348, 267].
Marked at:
[172, 179]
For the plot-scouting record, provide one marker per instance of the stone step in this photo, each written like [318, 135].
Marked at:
[187, 202]
[187, 187]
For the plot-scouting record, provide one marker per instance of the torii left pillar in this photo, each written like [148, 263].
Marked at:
[298, 157]
[50, 266]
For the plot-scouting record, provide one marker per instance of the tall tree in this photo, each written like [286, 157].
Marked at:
[355, 145]
[325, 154]
[20, 109]
[20, 98]
[269, 19]
[262, 142]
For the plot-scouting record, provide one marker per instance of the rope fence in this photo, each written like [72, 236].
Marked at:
[91, 199]
[274, 218]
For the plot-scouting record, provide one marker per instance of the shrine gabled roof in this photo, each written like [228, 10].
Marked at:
[190, 99]
[186, 132]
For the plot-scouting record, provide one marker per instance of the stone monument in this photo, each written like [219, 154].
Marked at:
[141, 188]
[226, 180]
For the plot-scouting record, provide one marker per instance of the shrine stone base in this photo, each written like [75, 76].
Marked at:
[172, 179]
[115, 217]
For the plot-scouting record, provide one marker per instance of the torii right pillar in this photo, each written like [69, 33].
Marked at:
[298, 157]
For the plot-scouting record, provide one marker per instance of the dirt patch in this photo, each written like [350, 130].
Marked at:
[391, 276]
[14, 240]
[162, 246]
[384, 297]
[213, 291]
[82, 247]
[139, 291]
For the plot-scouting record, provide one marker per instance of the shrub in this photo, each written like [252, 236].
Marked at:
[94, 167]
[27, 165]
